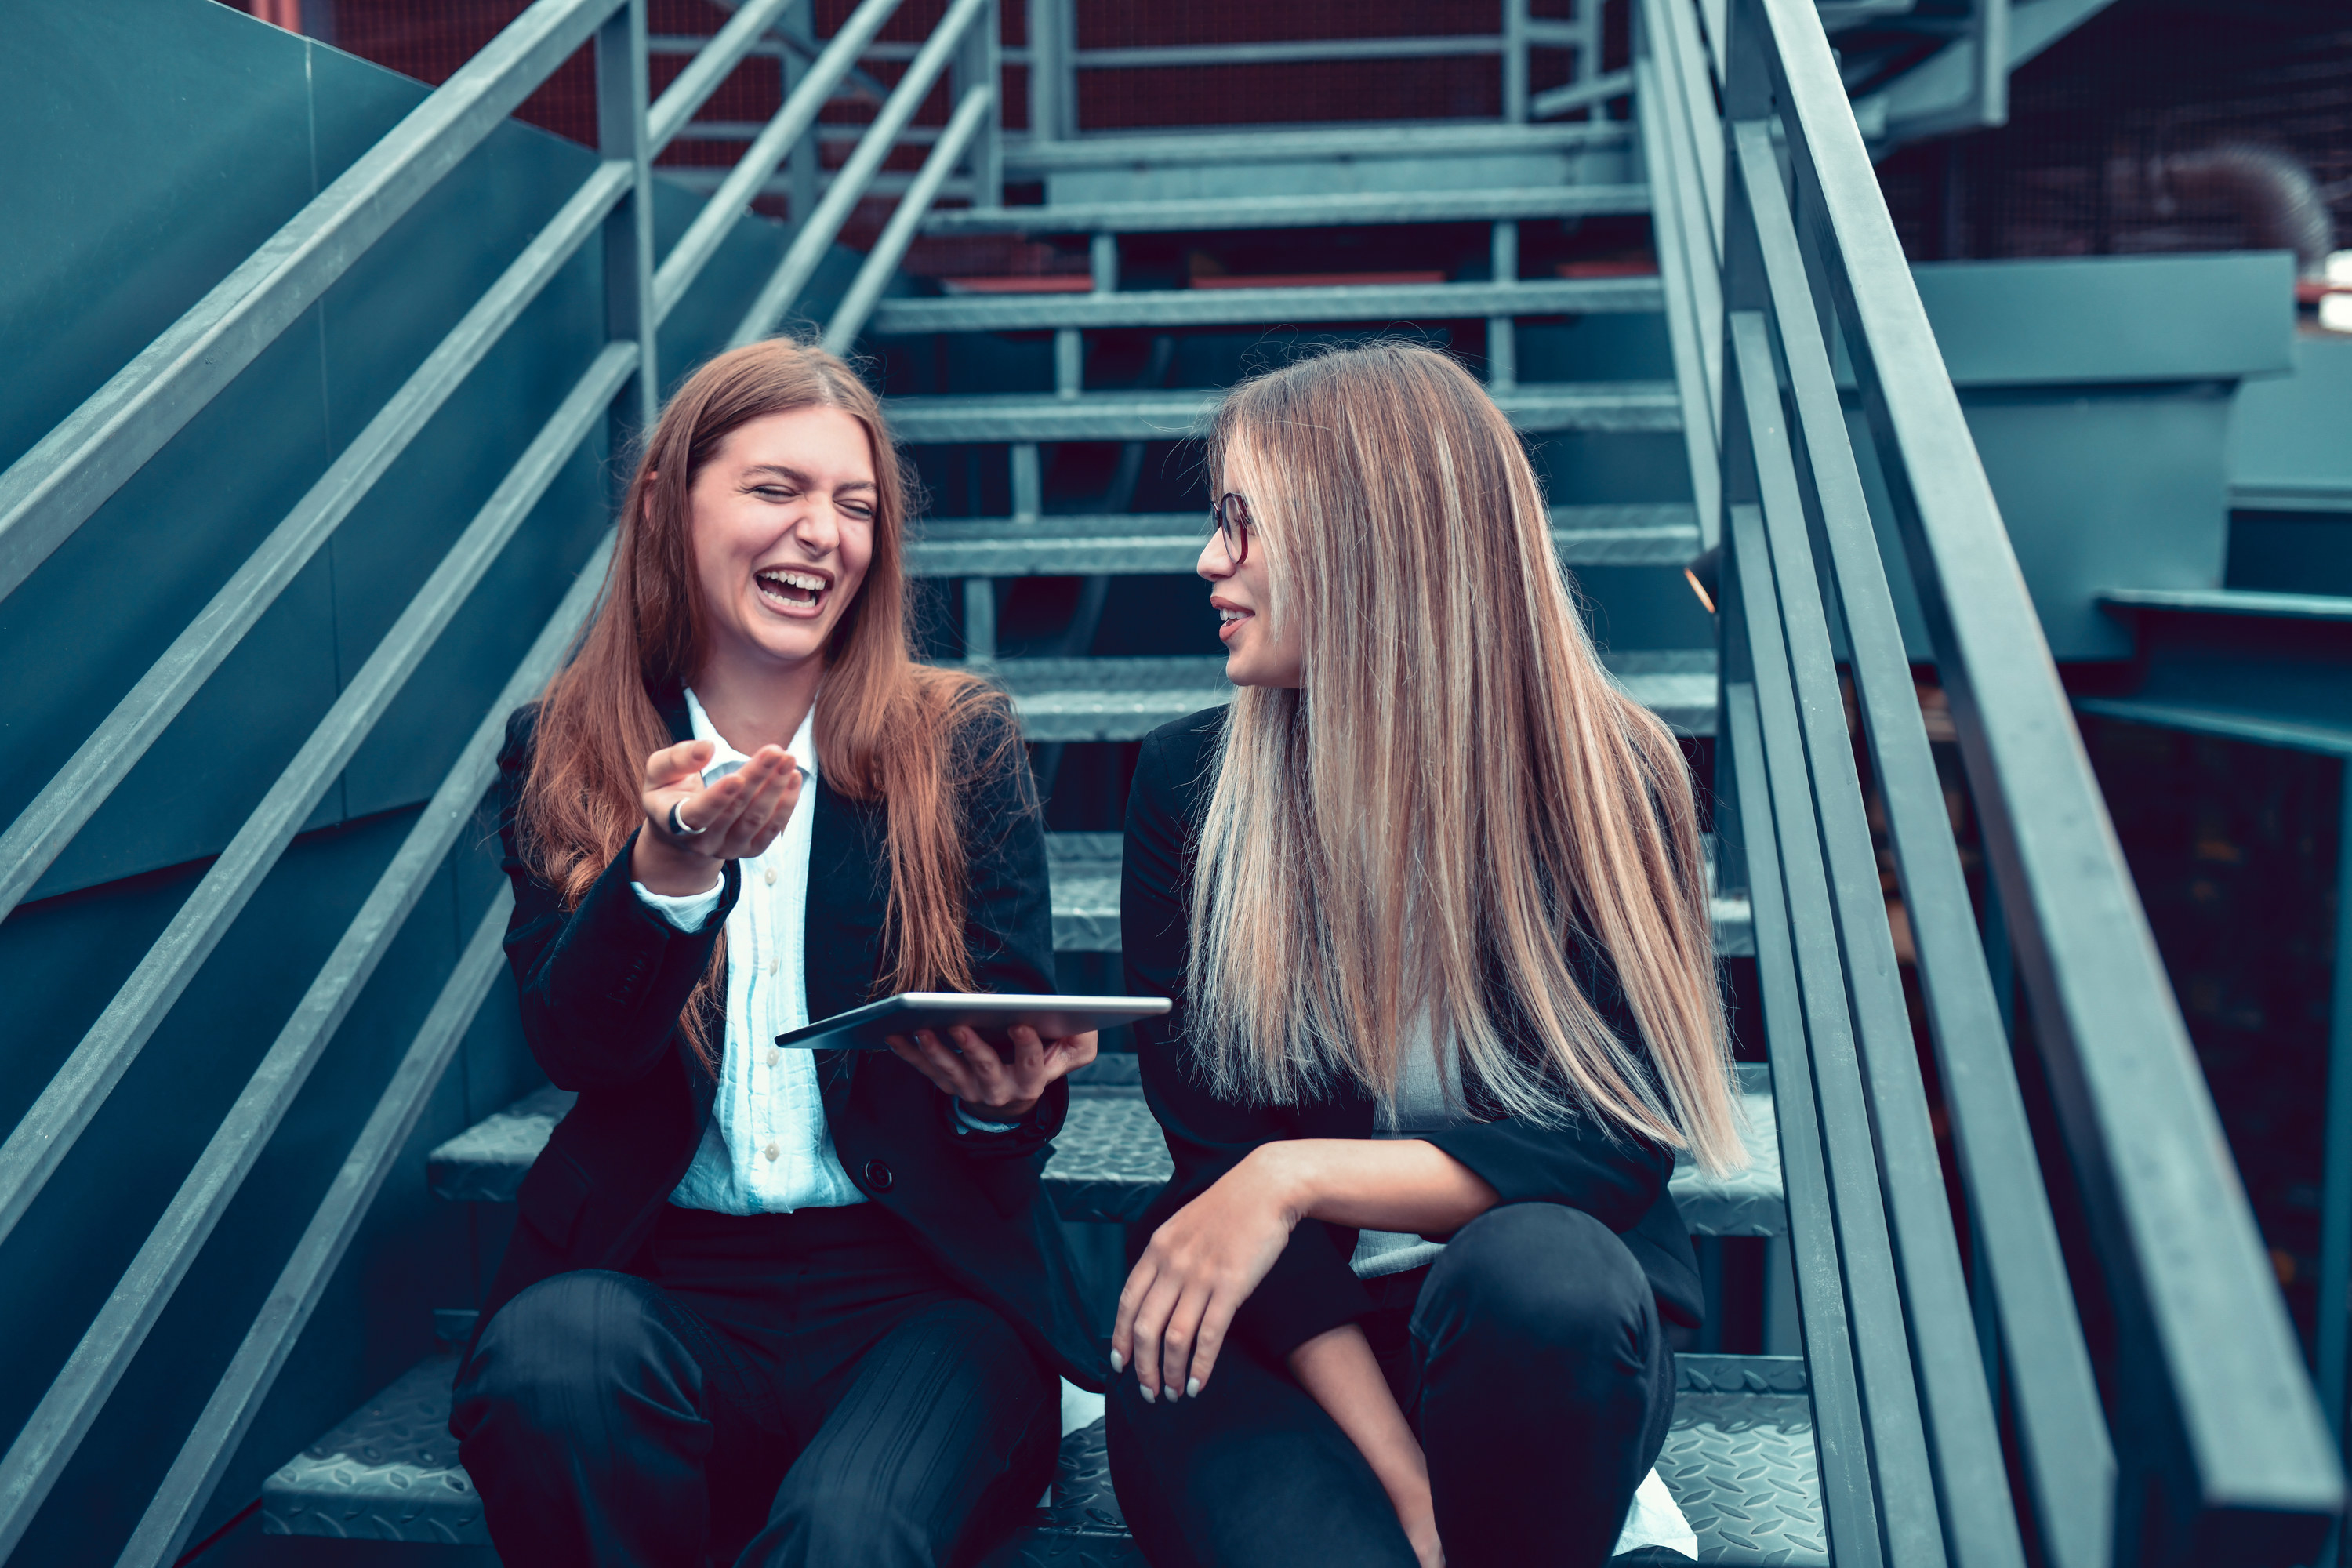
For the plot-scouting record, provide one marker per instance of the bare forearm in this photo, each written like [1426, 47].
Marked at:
[1375, 1184]
[1340, 1371]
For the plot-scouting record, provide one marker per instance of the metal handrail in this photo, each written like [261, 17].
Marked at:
[54, 1431]
[171, 1515]
[1781, 483]
[90, 455]
[732, 199]
[905, 219]
[41, 832]
[2067, 1459]
[817, 232]
[2224, 1426]
[53, 488]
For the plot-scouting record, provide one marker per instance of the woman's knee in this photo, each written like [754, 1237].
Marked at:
[565, 1345]
[1540, 1272]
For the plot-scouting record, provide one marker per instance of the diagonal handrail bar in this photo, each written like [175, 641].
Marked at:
[2068, 1460]
[41, 1141]
[816, 234]
[1903, 1467]
[50, 1437]
[692, 87]
[1841, 1436]
[1686, 275]
[1963, 1430]
[2225, 1447]
[171, 1517]
[906, 218]
[68, 474]
[732, 199]
[42, 830]
[171, 1513]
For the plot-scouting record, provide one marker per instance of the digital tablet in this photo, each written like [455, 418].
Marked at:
[866, 1028]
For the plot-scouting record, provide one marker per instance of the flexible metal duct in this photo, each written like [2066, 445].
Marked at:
[2272, 191]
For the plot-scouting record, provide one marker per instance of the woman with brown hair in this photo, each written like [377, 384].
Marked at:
[1427, 898]
[771, 1305]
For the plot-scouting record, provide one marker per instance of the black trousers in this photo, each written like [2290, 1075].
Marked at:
[771, 1390]
[1528, 1359]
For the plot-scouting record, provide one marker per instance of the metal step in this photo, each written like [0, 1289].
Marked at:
[1662, 534]
[1222, 148]
[1126, 699]
[1177, 308]
[1183, 413]
[1085, 869]
[1109, 1161]
[1345, 209]
[1740, 1459]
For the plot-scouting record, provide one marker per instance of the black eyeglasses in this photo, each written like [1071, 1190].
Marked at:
[1232, 516]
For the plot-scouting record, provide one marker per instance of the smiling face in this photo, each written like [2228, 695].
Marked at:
[1260, 650]
[783, 531]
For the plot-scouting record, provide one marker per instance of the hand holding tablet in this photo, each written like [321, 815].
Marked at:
[994, 1053]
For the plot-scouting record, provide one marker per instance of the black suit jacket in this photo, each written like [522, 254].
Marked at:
[601, 987]
[1618, 1179]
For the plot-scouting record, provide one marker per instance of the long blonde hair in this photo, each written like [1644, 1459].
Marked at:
[1456, 795]
[887, 727]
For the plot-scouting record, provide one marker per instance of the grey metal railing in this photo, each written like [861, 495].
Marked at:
[56, 486]
[2207, 1444]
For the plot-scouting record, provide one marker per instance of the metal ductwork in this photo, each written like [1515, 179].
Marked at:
[2271, 189]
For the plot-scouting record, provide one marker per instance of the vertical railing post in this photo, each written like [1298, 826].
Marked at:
[621, 92]
[978, 63]
[802, 168]
[1502, 340]
[1050, 79]
[1515, 61]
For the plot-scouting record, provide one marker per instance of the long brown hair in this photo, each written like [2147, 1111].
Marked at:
[1456, 796]
[887, 727]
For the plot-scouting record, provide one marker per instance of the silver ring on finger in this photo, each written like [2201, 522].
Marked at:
[677, 824]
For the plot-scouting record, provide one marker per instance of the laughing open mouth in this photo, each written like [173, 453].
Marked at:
[791, 588]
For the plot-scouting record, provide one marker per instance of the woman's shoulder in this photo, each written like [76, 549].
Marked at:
[1177, 758]
[522, 732]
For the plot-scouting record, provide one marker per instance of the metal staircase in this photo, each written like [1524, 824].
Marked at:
[1942, 1360]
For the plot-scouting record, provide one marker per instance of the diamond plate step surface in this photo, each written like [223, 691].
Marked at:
[1172, 416]
[1174, 308]
[1110, 1161]
[1665, 535]
[1739, 1459]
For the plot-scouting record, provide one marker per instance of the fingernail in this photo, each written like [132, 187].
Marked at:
[1191, 1388]
[1117, 1361]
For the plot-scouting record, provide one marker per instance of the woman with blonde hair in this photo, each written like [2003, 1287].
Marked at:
[769, 1306]
[1427, 898]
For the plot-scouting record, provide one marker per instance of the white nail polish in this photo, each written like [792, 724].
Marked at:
[1117, 1361]
[1191, 1388]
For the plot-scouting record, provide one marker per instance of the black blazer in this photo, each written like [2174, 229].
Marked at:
[602, 986]
[1618, 1180]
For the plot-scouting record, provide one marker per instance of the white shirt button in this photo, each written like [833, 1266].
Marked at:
[774, 1055]
[772, 875]
[772, 966]
[772, 1151]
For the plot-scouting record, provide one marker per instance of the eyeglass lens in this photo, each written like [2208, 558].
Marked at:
[1232, 526]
